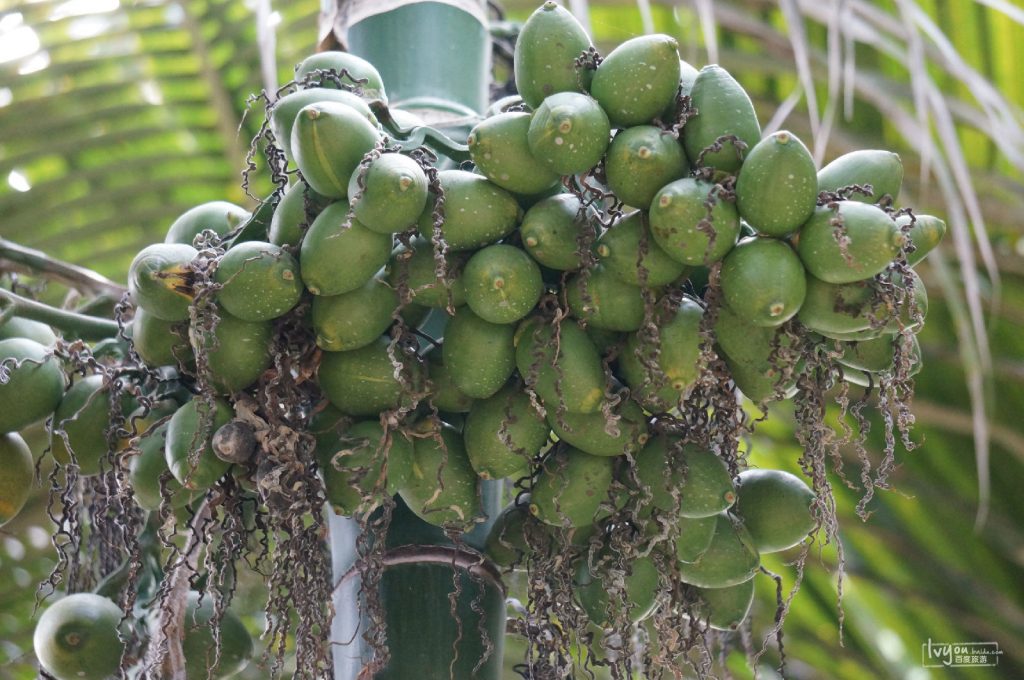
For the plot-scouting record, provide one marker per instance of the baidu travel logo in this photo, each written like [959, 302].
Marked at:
[959, 654]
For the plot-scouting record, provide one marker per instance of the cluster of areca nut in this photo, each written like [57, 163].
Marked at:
[574, 301]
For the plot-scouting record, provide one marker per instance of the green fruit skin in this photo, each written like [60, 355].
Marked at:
[883, 170]
[619, 251]
[695, 534]
[392, 195]
[503, 433]
[731, 559]
[158, 280]
[285, 110]
[145, 468]
[545, 55]
[480, 355]
[704, 489]
[16, 483]
[159, 342]
[588, 430]
[572, 377]
[84, 416]
[874, 355]
[290, 221]
[775, 507]
[361, 382]
[334, 259]
[444, 394]
[198, 645]
[604, 340]
[640, 161]
[353, 319]
[609, 304]
[476, 211]
[874, 241]
[503, 284]
[640, 596]
[418, 266]
[242, 351]
[457, 500]
[726, 608]
[76, 638]
[638, 80]
[259, 281]
[569, 133]
[190, 429]
[501, 152]
[748, 350]
[552, 230]
[18, 327]
[837, 309]
[353, 465]
[34, 386]
[507, 544]
[777, 187]
[723, 108]
[926, 234]
[763, 281]
[687, 76]
[329, 140]
[676, 212]
[570, 487]
[348, 67]
[218, 216]
[678, 358]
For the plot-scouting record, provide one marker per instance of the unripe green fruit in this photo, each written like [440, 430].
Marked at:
[730, 559]
[353, 319]
[883, 170]
[503, 284]
[290, 220]
[853, 242]
[418, 265]
[77, 639]
[335, 259]
[642, 583]
[566, 373]
[926, 234]
[553, 230]
[476, 211]
[603, 301]
[353, 465]
[160, 280]
[699, 479]
[677, 359]
[348, 67]
[764, 281]
[480, 355]
[362, 382]
[18, 471]
[638, 80]
[545, 55]
[159, 342]
[640, 161]
[569, 133]
[619, 249]
[390, 196]
[329, 140]
[569, 488]
[686, 230]
[237, 351]
[284, 111]
[34, 383]
[587, 431]
[503, 432]
[777, 187]
[217, 216]
[501, 152]
[191, 430]
[80, 425]
[695, 534]
[259, 281]
[726, 608]
[723, 108]
[775, 507]
[457, 500]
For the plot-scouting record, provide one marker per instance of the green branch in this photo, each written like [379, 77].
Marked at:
[77, 277]
[86, 327]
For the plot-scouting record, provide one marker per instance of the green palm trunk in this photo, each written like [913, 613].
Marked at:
[443, 607]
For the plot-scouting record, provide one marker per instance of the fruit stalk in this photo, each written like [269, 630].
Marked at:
[77, 277]
[86, 327]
